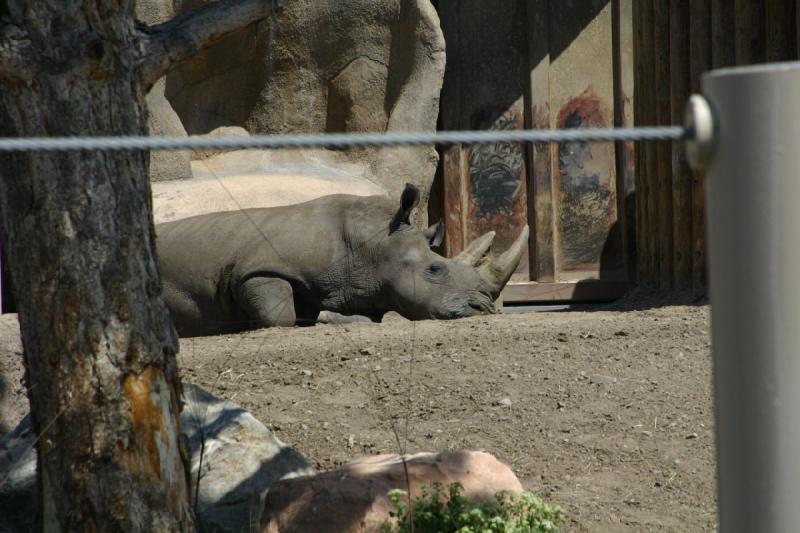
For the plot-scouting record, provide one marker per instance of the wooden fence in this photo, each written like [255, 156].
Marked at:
[675, 42]
[543, 64]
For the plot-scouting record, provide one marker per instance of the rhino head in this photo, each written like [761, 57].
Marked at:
[423, 284]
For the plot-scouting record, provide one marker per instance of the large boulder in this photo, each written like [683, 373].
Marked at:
[18, 479]
[219, 85]
[326, 66]
[162, 120]
[241, 459]
[353, 497]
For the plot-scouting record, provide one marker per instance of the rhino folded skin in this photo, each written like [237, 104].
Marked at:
[351, 255]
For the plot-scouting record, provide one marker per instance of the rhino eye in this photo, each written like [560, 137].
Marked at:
[436, 269]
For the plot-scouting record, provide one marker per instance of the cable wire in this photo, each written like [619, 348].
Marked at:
[341, 140]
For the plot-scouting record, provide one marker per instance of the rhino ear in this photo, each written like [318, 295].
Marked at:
[434, 234]
[408, 201]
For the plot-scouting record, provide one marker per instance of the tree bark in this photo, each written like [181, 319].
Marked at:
[173, 41]
[99, 343]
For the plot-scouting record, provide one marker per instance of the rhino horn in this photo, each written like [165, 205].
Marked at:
[498, 271]
[473, 253]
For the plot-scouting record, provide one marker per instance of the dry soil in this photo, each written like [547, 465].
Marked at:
[606, 412]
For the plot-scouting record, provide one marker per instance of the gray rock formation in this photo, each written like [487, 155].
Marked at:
[18, 479]
[222, 131]
[218, 87]
[326, 66]
[241, 460]
[162, 118]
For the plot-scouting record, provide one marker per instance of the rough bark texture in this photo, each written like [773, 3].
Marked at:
[99, 343]
[182, 37]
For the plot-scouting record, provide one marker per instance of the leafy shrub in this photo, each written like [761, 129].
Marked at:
[509, 513]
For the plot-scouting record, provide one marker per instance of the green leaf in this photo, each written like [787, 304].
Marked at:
[509, 513]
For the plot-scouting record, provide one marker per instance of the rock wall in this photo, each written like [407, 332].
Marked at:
[162, 118]
[326, 66]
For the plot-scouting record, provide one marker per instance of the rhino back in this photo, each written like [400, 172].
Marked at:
[204, 258]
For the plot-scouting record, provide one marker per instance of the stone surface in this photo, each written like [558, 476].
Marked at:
[223, 131]
[241, 460]
[13, 400]
[218, 87]
[350, 65]
[258, 178]
[154, 11]
[162, 120]
[353, 497]
[18, 479]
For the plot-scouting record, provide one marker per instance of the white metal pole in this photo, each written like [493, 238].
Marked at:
[753, 216]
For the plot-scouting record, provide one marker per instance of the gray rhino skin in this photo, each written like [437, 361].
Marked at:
[353, 255]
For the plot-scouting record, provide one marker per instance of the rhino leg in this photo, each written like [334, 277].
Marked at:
[184, 310]
[267, 302]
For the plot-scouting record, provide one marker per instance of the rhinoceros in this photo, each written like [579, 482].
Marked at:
[352, 255]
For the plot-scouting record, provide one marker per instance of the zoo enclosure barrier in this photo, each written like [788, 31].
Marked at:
[341, 140]
[745, 133]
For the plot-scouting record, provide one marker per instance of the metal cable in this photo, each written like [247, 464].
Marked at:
[341, 140]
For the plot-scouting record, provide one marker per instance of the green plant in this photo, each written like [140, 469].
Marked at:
[509, 513]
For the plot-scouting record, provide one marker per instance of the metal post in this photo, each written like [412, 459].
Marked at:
[753, 215]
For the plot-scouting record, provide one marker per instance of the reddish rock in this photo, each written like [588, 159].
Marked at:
[353, 497]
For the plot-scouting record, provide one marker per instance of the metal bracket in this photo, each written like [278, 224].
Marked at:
[701, 129]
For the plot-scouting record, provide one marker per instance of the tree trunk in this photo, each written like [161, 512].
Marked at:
[99, 343]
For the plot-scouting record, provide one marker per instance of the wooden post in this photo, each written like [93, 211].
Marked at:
[750, 34]
[624, 68]
[661, 38]
[453, 180]
[676, 41]
[647, 176]
[681, 186]
[723, 34]
[699, 62]
[540, 191]
[781, 30]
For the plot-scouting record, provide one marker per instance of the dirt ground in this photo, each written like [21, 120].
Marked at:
[606, 412]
